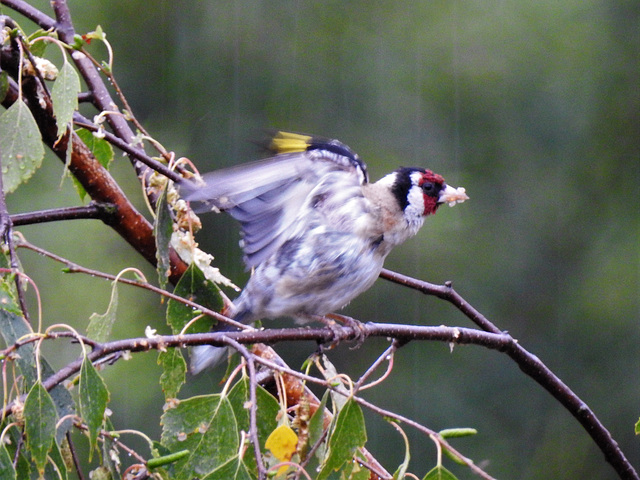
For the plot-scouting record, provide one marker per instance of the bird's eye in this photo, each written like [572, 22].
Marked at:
[428, 188]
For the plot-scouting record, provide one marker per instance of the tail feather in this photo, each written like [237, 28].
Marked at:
[208, 356]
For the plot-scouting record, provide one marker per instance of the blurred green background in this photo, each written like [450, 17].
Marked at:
[534, 107]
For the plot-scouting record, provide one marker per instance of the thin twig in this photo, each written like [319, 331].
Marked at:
[72, 267]
[382, 412]
[387, 356]
[6, 232]
[138, 154]
[102, 98]
[253, 408]
[444, 292]
[74, 457]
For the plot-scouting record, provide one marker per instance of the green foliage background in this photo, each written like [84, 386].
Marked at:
[534, 107]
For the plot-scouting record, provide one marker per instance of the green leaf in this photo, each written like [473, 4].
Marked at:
[4, 84]
[316, 425]
[162, 229]
[206, 426]
[439, 473]
[20, 145]
[267, 410]
[40, 424]
[93, 398]
[457, 432]
[194, 286]
[100, 326]
[157, 462]
[23, 465]
[8, 295]
[637, 429]
[358, 472]
[58, 461]
[110, 454]
[101, 149]
[6, 465]
[348, 435]
[234, 469]
[64, 96]
[13, 327]
[174, 369]
[37, 49]
[97, 34]
[339, 394]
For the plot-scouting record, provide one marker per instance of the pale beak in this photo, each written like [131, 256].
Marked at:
[452, 195]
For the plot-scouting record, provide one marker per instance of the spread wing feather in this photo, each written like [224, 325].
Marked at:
[267, 196]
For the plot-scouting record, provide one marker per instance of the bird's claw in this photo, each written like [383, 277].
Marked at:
[357, 326]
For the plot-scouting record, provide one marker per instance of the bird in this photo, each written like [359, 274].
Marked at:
[315, 232]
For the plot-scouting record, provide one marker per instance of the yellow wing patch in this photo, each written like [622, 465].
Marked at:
[286, 142]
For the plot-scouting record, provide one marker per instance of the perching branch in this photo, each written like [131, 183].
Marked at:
[532, 366]
[490, 337]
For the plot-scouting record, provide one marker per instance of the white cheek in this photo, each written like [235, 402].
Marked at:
[414, 212]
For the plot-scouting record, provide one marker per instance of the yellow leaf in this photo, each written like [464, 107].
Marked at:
[282, 443]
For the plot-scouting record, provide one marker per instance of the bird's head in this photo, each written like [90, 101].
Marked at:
[420, 192]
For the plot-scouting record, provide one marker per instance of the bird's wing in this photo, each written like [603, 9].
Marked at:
[266, 196]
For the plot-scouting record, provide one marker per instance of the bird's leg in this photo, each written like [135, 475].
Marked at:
[358, 328]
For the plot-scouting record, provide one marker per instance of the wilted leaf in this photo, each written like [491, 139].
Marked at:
[282, 443]
[20, 145]
[100, 325]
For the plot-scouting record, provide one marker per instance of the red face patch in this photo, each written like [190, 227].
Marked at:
[429, 176]
[431, 183]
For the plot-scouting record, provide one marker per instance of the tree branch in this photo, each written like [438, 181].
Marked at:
[493, 339]
[31, 13]
[534, 368]
[95, 179]
[94, 210]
